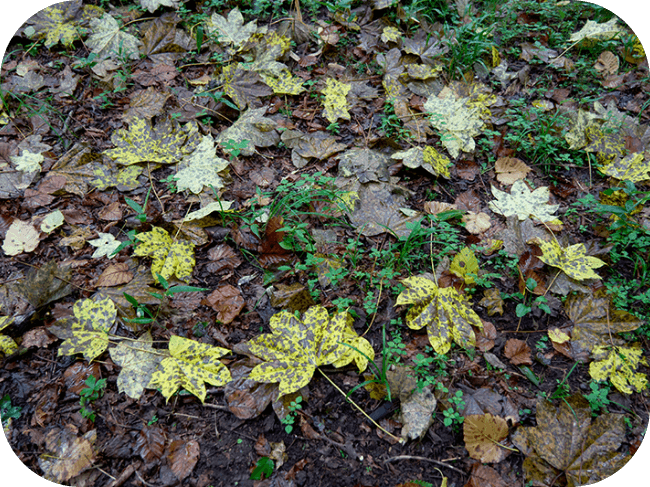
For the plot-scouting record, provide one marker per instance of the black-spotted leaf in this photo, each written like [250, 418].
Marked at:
[166, 143]
[88, 330]
[201, 169]
[190, 366]
[619, 365]
[152, 5]
[254, 128]
[284, 83]
[296, 347]
[7, 344]
[427, 158]
[444, 311]
[108, 41]
[634, 167]
[335, 103]
[170, 257]
[523, 202]
[572, 260]
[593, 31]
[231, 30]
[359, 349]
[57, 23]
[465, 265]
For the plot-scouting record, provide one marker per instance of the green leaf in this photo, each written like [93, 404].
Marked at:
[170, 257]
[264, 467]
[444, 311]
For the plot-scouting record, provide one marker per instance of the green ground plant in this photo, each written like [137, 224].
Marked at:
[289, 420]
[7, 411]
[88, 395]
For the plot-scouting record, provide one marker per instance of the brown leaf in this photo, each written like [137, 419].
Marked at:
[68, 455]
[183, 457]
[111, 213]
[307, 431]
[518, 352]
[150, 444]
[294, 297]
[145, 104]
[222, 257]
[187, 301]
[492, 301]
[608, 63]
[435, 207]
[484, 476]
[114, 275]
[485, 337]
[161, 74]
[468, 201]
[75, 376]
[271, 253]
[482, 433]
[510, 169]
[38, 337]
[227, 301]
[467, 170]
[246, 398]
[476, 223]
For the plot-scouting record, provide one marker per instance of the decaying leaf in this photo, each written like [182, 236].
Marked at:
[46, 284]
[296, 347]
[493, 301]
[106, 244]
[364, 164]
[510, 169]
[170, 257]
[28, 161]
[444, 311]
[190, 365]
[318, 145]
[57, 23]
[357, 349]
[20, 237]
[572, 260]
[518, 352]
[108, 41]
[566, 442]
[69, 454]
[227, 301]
[416, 413]
[88, 331]
[231, 30]
[483, 434]
[334, 100]
[183, 456]
[7, 344]
[633, 167]
[593, 31]
[115, 275]
[619, 365]
[152, 5]
[139, 360]
[465, 265]
[201, 169]
[476, 223]
[523, 202]
[427, 158]
[52, 221]
[252, 127]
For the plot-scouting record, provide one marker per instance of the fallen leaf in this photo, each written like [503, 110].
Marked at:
[68, 456]
[465, 265]
[20, 237]
[145, 104]
[482, 435]
[593, 31]
[366, 165]
[170, 257]
[476, 223]
[572, 260]
[510, 169]
[492, 301]
[138, 360]
[227, 301]
[57, 23]
[247, 398]
[152, 6]
[523, 203]
[252, 127]
[558, 336]
[416, 413]
[619, 364]
[334, 100]
[28, 162]
[106, 244]
[427, 158]
[201, 168]
[292, 297]
[108, 41]
[150, 444]
[244, 86]
[114, 275]
[484, 476]
[518, 352]
[231, 30]
[183, 457]
[633, 167]
[607, 63]
[7, 344]
[318, 145]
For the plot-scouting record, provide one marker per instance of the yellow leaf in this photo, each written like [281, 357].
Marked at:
[335, 102]
[57, 23]
[139, 360]
[572, 260]
[482, 434]
[619, 364]
[523, 202]
[107, 40]
[170, 257]
[464, 264]
[593, 31]
[391, 34]
[52, 221]
[201, 169]
[284, 83]
[633, 167]
[558, 336]
[361, 352]
[427, 158]
[231, 30]
[28, 161]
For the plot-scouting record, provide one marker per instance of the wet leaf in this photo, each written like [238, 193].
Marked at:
[88, 331]
[170, 257]
[139, 287]
[7, 344]
[245, 87]
[427, 158]
[484, 476]
[444, 311]
[153, 5]
[558, 336]
[284, 83]
[518, 352]
[231, 30]
[296, 347]
[247, 398]
[150, 444]
[46, 284]
[361, 352]
[566, 441]
[619, 365]
[364, 164]
[492, 301]
[183, 457]
[572, 260]
[58, 23]
[416, 413]
[253, 128]
[227, 301]
[510, 169]
[165, 143]
[334, 100]
[106, 244]
[633, 167]
[293, 297]
[145, 104]
[68, 456]
[139, 360]
[318, 145]
[28, 162]
[464, 265]
[52, 221]
[482, 434]
[523, 203]
[191, 365]
[115, 275]
[476, 223]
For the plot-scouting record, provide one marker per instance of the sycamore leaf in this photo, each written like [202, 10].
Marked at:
[457, 120]
[57, 23]
[351, 338]
[52, 221]
[152, 5]
[21, 237]
[253, 128]
[334, 100]
[567, 441]
[67, 455]
[619, 364]
[245, 87]
[443, 311]
[319, 145]
[166, 143]
[284, 83]
[523, 202]
[88, 332]
[593, 31]
[427, 158]
[492, 301]
[139, 360]
[464, 265]
[572, 260]
[7, 344]
[170, 257]
[391, 34]
[201, 168]
[482, 434]
[218, 206]
[633, 167]
[106, 244]
[108, 41]
[28, 161]
[558, 336]
[107, 176]
[296, 347]
[191, 365]
[231, 30]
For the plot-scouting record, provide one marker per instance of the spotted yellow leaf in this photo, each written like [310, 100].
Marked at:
[633, 167]
[572, 260]
[391, 34]
[138, 360]
[619, 365]
[335, 102]
[7, 344]
[523, 202]
[357, 349]
[190, 366]
[108, 41]
[465, 265]
[231, 30]
[284, 83]
[57, 23]
[558, 336]
[170, 257]
[444, 311]
[201, 169]
[427, 158]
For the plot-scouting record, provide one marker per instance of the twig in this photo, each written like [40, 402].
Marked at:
[142, 480]
[424, 459]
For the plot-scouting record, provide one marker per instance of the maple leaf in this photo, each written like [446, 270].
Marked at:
[633, 167]
[88, 331]
[170, 257]
[201, 168]
[252, 127]
[284, 83]
[593, 31]
[361, 351]
[139, 360]
[510, 169]
[443, 311]
[334, 100]
[166, 143]
[464, 265]
[106, 244]
[231, 30]
[457, 121]
[492, 301]
[7, 344]
[108, 41]
[319, 145]
[482, 434]
[619, 364]
[107, 176]
[244, 86]
[566, 441]
[572, 260]
[523, 202]
[28, 161]
[68, 455]
[190, 365]
[152, 5]
[427, 158]
[57, 23]
[296, 347]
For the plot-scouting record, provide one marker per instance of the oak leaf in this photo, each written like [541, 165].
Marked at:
[170, 257]
[619, 364]
[444, 311]
[523, 202]
[572, 260]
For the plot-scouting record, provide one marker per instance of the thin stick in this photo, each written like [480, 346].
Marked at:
[424, 459]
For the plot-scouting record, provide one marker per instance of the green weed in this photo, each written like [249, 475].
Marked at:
[89, 394]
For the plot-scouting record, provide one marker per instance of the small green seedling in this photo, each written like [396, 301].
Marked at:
[90, 394]
[7, 411]
[263, 469]
[290, 418]
[141, 214]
